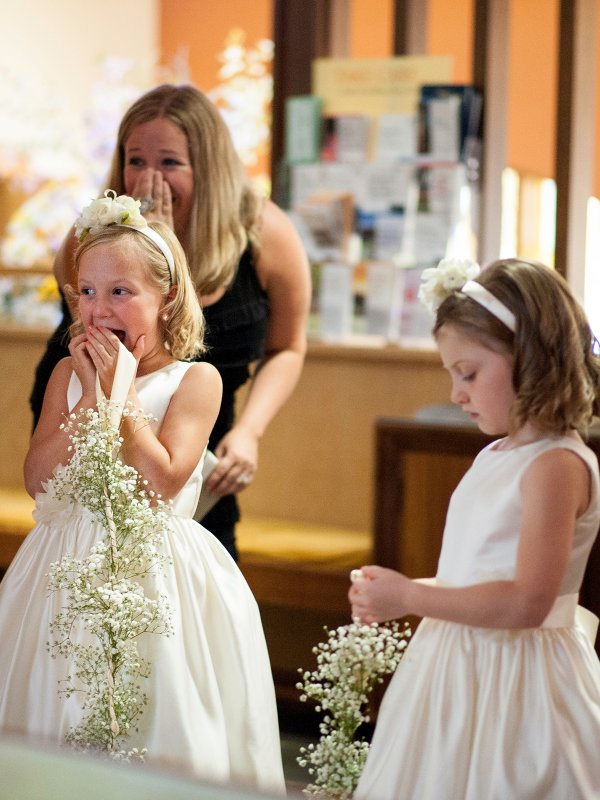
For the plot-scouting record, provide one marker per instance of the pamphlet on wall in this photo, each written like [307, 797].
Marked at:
[389, 234]
[346, 138]
[324, 221]
[336, 302]
[395, 137]
[310, 179]
[303, 126]
[384, 299]
[384, 186]
[438, 209]
[416, 320]
[376, 85]
[449, 115]
[443, 128]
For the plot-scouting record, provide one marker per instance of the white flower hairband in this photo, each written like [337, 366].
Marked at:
[457, 275]
[123, 211]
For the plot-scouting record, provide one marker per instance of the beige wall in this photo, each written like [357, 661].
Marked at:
[317, 457]
[61, 43]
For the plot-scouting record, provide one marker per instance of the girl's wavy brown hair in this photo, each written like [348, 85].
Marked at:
[183, 328]
[556, 373]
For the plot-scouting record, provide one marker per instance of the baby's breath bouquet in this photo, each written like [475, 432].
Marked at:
[106, 608]
[352, 660]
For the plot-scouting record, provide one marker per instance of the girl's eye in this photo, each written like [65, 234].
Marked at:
[469, 378]
[119, 290]
[85, 291]
[135, 161]
[171, 162]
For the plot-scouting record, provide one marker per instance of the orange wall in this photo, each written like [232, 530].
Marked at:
[450, 32]
[200, 28]
[532, 72]
[533, 63]
[371, 28]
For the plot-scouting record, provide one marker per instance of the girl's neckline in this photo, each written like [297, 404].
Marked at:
[497, 447]
[166, 366]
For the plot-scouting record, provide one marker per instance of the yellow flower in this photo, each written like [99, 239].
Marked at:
[48, 290]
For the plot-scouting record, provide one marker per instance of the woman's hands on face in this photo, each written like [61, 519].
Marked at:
[238, 458]
[151, 185]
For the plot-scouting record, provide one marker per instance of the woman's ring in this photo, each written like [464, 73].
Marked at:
[146, 204]
[243, 479]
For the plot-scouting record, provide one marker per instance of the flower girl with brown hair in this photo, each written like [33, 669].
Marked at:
[498, 694]
[157, 643]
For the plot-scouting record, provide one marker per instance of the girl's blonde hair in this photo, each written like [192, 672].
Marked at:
[225, 209]
[556, 374]
[182, 328]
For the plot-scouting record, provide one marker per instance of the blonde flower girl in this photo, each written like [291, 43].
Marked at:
[201, 660]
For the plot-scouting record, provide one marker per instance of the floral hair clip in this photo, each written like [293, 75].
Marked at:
[457, 275]
[448, 277]
[109, 210]
[123, 211]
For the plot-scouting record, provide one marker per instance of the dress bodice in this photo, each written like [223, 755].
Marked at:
[484, 518]
[155, 391]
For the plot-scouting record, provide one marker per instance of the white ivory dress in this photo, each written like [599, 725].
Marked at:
[483, 714]
[211, 704]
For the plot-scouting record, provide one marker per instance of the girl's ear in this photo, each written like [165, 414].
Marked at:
[169, 298]
[172, 294]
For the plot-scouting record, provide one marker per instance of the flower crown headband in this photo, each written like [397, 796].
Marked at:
[122, 211]
[457, 275]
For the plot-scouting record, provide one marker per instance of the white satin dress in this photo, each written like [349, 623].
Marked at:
[485, 714]
[211, 706]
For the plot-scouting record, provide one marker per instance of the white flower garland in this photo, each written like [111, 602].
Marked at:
[104, 596]
[350, 663]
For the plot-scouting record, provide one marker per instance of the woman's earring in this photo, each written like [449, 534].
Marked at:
[165, 317]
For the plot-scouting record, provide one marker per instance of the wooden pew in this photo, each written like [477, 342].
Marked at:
[287, 563]
[16, 521]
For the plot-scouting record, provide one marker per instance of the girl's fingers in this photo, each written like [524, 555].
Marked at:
[77, 340]
[138, 349]
[103, 349]
[104, 337]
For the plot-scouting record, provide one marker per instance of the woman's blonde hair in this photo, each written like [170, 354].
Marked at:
[181, 321]
[556, 374]
[225, 209]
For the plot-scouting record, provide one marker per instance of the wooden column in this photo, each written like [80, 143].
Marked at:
[410, 27]
[302, 31]
[574, 136]
[490, 74]
[339, 29]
